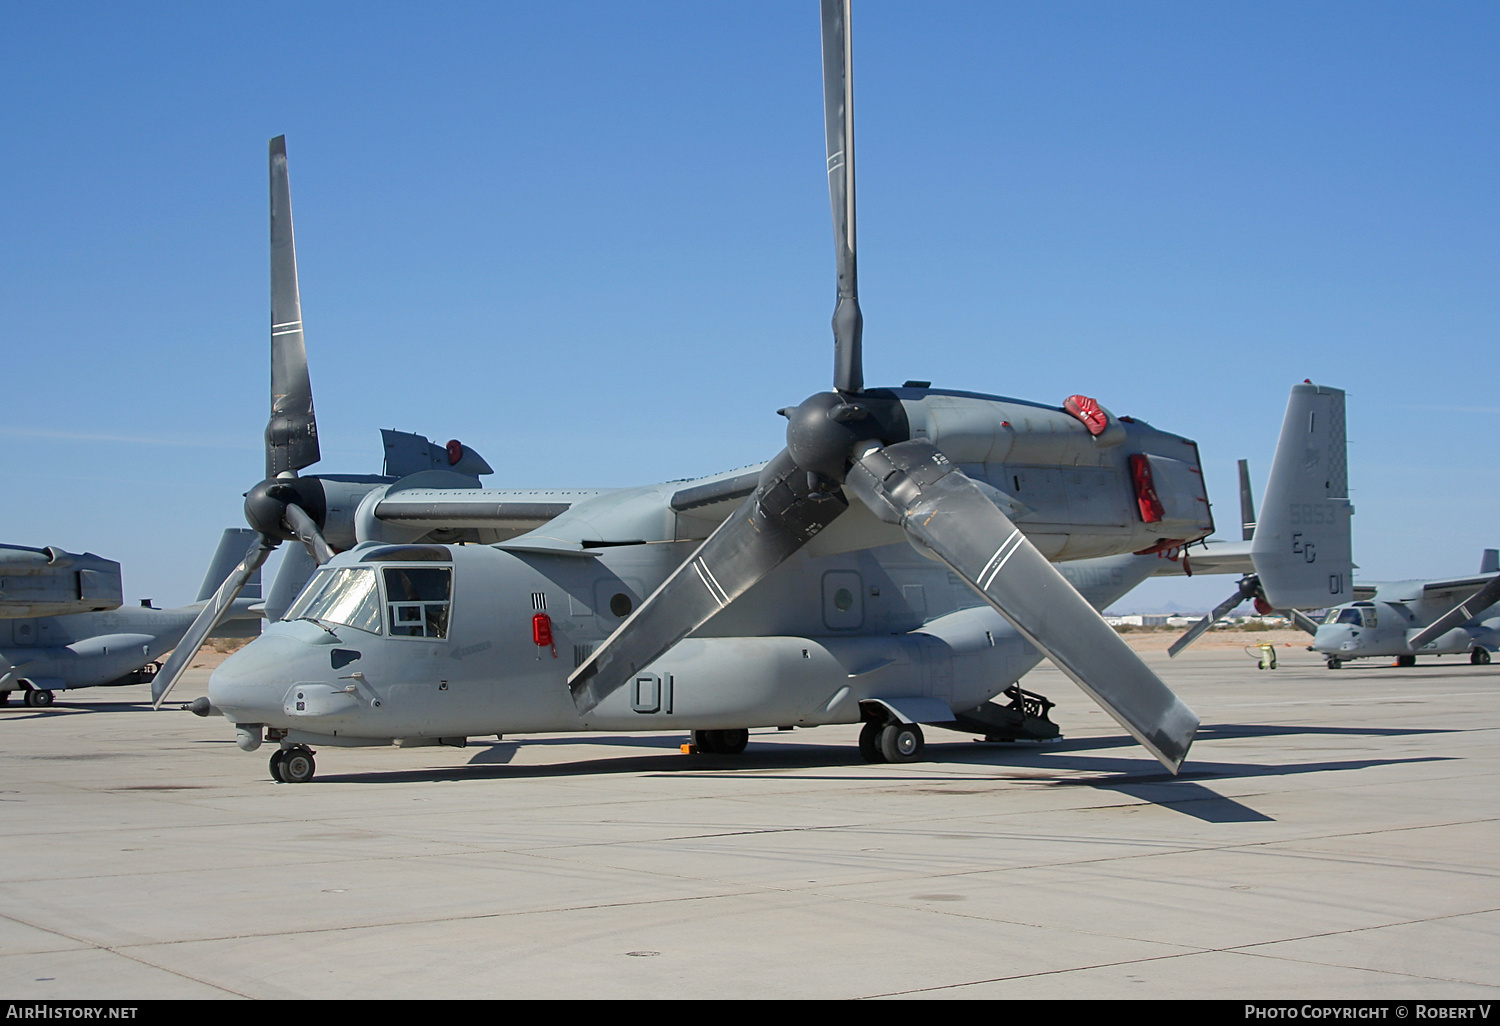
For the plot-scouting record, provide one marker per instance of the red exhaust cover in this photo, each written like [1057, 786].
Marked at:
[1145, 489]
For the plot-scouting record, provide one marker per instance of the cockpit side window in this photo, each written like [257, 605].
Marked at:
[1350, 616]
[417, 600]
[342, 595]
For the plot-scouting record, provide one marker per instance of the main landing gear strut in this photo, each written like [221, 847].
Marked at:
[891, 741]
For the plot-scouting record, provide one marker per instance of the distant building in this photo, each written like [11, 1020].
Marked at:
[1138, 620]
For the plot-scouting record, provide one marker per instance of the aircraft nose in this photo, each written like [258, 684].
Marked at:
[1335, 637]
[249, 686]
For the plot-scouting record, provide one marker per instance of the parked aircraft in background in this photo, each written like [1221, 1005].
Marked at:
[40, 655]
[51, 582]
[1298, 554]
[1406, 619]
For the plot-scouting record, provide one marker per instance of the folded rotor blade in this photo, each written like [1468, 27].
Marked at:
[913, 484]
[213, 612]
[306, 530]
[1303, 621]
[1247, 503]
[292, 432]
[838, 121]
[774, 522]
[1249, 585]
[1459, 614]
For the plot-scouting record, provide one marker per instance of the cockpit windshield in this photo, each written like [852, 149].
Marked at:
[416, 599]
[1352, 615]
[342, 595]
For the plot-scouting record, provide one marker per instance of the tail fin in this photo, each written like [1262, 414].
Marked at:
[1489, 562]
[296, 570]
[1301, 548]
[232, 546]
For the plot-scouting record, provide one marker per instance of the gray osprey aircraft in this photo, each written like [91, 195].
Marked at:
[51, 582]
[1406, 619]
[1299, 554]
[868, 572]
[111, 646]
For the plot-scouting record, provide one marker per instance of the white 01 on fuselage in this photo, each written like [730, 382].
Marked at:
[424, 641]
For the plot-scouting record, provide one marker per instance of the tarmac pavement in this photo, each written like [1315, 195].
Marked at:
[1333, 835]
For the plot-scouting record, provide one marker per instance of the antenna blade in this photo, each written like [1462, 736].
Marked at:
[292, 432]
[915, 485]
[838, 120]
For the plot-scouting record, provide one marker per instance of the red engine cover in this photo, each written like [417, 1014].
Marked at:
[541, 630]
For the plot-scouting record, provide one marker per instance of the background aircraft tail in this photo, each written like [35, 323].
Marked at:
[1301, 546]
[233, 545]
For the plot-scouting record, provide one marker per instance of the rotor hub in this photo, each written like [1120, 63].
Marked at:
[266, 504]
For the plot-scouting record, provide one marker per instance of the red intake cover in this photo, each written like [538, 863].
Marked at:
[1088, 411]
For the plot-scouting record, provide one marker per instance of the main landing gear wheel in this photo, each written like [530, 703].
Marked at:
[901, 742]
[1480, 657]
[1406, 660]
[869, 741]
[721, 742]
[39, 699]
[294, 765]
[1334, 664]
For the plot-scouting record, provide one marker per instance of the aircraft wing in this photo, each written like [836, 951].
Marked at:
[1210, 557]
[496, 509]
[1452, 592]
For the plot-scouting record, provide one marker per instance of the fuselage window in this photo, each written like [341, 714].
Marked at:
[417, 600]
[344, 595]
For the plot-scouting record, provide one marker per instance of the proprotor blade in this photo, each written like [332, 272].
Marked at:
[1460, 614]
[838, 121]
[292, 432]
[1247, 503]
[913, 484]
[306, 530]
[777, 520]
[213, 612]
[1249, 587]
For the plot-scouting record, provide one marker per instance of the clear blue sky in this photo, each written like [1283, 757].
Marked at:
[592, 240]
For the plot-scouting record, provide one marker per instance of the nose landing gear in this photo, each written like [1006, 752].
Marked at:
[293, 765]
